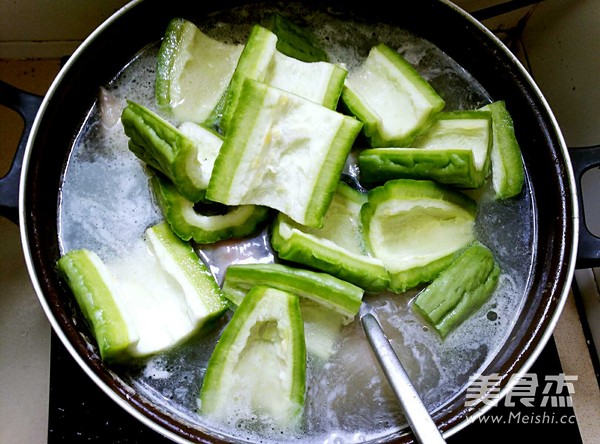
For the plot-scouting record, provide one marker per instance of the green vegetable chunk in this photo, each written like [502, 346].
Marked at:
[170, 293]
[329, 291]
[146, 302]
[96, 294]
[202, 295]
[459, 290]
[454, 150]
[295, 41]
[208, 144]
[143, 303]
[282, 152]
[392, 99]
[327, 303]
[167, 149]
[258, 367]
[319, 82]
[192, 71]
[338, 247]
[190, 223]
[416, 227]
[508, 172]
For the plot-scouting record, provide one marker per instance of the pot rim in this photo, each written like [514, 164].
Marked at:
[56, 327]
[543, 337]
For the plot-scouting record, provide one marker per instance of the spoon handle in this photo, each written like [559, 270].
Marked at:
[415, 411]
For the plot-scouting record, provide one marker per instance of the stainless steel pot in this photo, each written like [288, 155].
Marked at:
[53, 122]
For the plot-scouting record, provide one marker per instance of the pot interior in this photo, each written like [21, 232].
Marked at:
[82, 184]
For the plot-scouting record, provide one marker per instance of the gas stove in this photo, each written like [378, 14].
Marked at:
[561, 43]
[558, 42]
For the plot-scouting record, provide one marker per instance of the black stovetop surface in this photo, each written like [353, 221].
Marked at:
[80, 412]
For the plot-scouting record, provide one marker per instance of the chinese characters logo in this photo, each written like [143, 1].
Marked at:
[556, 390]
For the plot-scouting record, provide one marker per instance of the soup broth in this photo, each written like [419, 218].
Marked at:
[106, 205]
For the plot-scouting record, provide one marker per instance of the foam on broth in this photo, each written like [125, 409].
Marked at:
[106, 205]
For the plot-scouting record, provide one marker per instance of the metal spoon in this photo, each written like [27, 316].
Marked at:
[415, 411]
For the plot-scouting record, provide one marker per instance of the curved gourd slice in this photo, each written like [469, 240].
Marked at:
[96, 292]
[454, 150]
[282, 152]
[322, 288]
[258, 367]
[390, 97]
[459, 290]
[146, 302]
[192, 71]
[188, 223]
[508, 172]
[165, 148]
[416, 228]
[338, 247]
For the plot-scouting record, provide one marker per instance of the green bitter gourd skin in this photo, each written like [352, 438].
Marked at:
[163, 147]
[338, 247]
[295, 41]
[454, 150]
[459, 290]
[391, 98]
[188, 223]
[322, 288]
[416, 227]
[95, 291]
[508, 172]
[259, 363]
